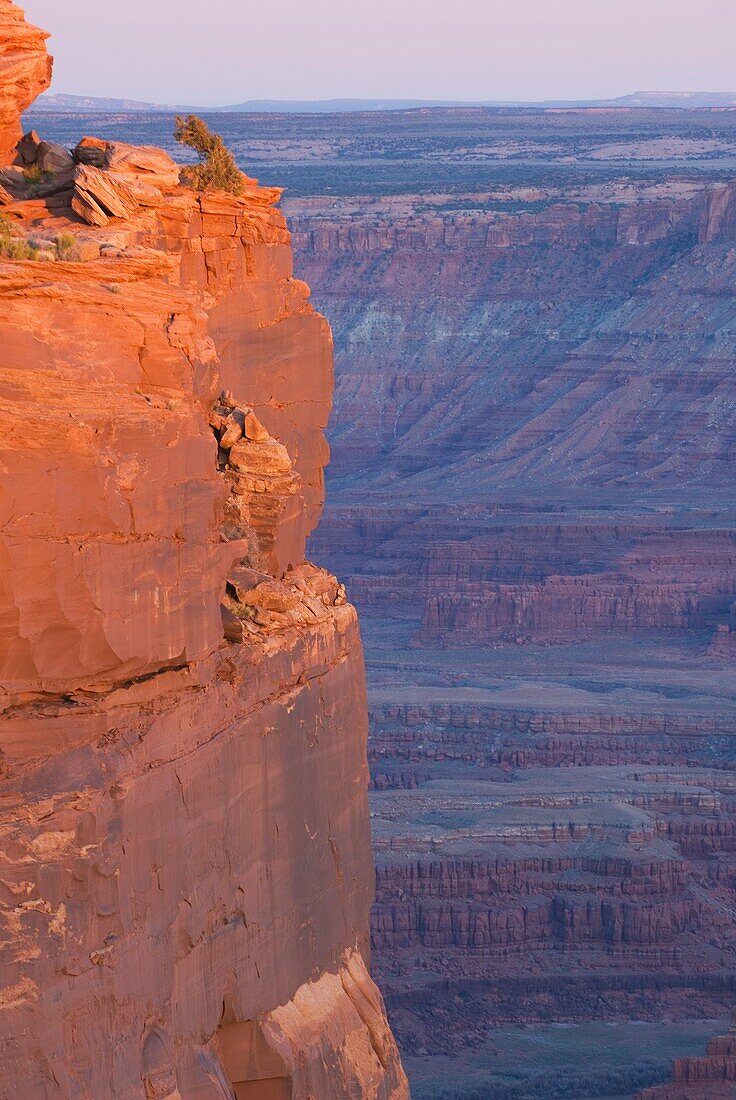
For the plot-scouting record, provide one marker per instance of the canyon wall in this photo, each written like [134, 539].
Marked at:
[532, 505]
[710, 1077]
[187, 871]
[572, 581]
[458, 300]
[531, 502]
[533, 441]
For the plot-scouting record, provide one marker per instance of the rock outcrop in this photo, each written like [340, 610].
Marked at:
[710, 1077]
[186, 867]
[25, 72]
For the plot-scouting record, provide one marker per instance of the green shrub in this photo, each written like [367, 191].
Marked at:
[65, 246]
[21, 250]
[14, 248]
[217, 170]
[35, 175]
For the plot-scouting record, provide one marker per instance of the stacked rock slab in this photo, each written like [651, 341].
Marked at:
[186, 869]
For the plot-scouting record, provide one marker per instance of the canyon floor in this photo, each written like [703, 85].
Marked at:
[532, 503]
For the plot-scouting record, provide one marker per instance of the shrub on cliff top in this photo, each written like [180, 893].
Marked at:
[217, 169]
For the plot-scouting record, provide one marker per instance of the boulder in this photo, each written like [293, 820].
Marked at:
[145, 193]
[233, 627]
[149, 167]
[152, 166]
[27, 149]
[91, 150]
[88, 209]
[269, 459]
[52, 157]
[254, 430]
[232, 434]
[84, 251]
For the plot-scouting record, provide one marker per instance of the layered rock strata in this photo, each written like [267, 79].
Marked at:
[534, 445]
[186, 867]
[533, 508]
[710, 1077]
[569, 582]
[25, 72]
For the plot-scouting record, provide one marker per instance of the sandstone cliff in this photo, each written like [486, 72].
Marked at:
[25, 72]
[186, 867]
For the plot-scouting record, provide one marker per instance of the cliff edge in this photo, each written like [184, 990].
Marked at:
[186, 865]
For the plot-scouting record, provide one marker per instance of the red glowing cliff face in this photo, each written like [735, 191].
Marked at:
[25, 72]
[186, 866]
[106, 424]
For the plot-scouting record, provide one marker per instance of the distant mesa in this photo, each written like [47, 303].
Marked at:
[75, 104]
[678, 99]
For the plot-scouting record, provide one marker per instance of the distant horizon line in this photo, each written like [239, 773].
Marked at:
[74, 103]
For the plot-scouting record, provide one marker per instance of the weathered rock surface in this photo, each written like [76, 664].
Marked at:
[25, 72]
[135, 491]
[114, 180]
[207, 859]
[186, 867]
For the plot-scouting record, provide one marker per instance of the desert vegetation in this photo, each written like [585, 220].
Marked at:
[217, 170]
[66, 246]
[566, 1084]
[36, 175]
[12, 247]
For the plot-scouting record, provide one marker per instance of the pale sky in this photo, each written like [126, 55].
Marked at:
[214, 52]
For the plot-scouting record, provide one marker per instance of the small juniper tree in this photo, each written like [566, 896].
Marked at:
[217, 169]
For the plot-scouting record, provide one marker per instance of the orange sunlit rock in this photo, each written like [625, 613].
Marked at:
[186, 866]
[25, 72]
